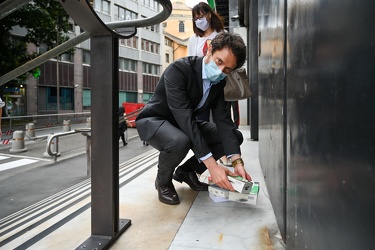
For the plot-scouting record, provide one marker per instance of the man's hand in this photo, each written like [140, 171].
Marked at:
[219, 174]
[239, 170]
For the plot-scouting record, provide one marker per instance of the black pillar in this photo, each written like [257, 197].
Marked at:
[253, 41]
[105, 223]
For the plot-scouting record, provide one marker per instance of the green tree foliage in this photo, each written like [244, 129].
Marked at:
[44, 21]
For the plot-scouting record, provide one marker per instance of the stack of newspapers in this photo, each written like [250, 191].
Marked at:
[245, 191]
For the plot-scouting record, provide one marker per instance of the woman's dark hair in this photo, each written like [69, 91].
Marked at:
[216, 21]
[232, 41]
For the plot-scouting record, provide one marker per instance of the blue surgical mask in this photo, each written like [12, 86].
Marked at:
[202, 23]
[213, 72]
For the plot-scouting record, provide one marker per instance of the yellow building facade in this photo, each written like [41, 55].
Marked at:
[178, 28]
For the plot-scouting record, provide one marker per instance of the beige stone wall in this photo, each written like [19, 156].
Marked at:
[180, 13]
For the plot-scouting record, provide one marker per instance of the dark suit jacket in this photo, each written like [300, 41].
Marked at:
[176, 98]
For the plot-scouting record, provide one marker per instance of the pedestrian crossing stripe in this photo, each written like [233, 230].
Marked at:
[15, 164]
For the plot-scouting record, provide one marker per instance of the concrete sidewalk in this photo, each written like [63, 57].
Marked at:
[200, 223]
[196, 223]
[232, 225]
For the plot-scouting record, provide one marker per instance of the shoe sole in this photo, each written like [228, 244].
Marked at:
[168, 202]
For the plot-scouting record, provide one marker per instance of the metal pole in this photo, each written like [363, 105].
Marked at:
[104, 186]
[105, 223]
[57, 74]
[88, 152]
[253, 68]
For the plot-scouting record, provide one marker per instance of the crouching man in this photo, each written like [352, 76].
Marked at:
[188, 87]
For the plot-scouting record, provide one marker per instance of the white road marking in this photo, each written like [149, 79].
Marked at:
[16, 164]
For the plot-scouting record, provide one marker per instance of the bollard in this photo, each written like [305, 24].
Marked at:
[18, 144]
[88, 153]
[88, 122]
[30, 130]
[66, 125]
[54, 147]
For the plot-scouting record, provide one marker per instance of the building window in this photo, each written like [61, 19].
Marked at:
[146, 97]
[71, 26]
[67, 57]
[167, 57]
[168, 42]
[86, 98]
[106, 6]
[181, 27]
[130, 42]
[149, 46]
[152, 4]
[151, 69]
[124, 14]
[154, 28]
[127, 65]
[49, 98]
[135, 42]
[86, 57]
[98, 4]
[103, 6]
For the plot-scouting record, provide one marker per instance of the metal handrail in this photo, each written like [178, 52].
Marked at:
[47, 115]
[60, 134]
[130, 115]
[84, 131]
[7, 7]
[163, 15]
[10, 118]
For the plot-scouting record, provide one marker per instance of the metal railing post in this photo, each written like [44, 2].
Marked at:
[57, 148]
[88, 152]
[85, 132]
[105, 223]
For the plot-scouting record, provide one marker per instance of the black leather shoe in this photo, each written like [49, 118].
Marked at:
[191, 179]
[167, 194]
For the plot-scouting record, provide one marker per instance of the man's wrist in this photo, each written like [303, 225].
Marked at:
[237, 162]
[234, 157]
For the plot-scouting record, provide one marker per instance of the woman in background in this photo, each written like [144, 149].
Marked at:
[206, 25]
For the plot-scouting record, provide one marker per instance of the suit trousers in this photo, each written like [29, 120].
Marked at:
[174, 145]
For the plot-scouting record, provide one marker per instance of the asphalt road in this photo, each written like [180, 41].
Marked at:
[27, 184]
